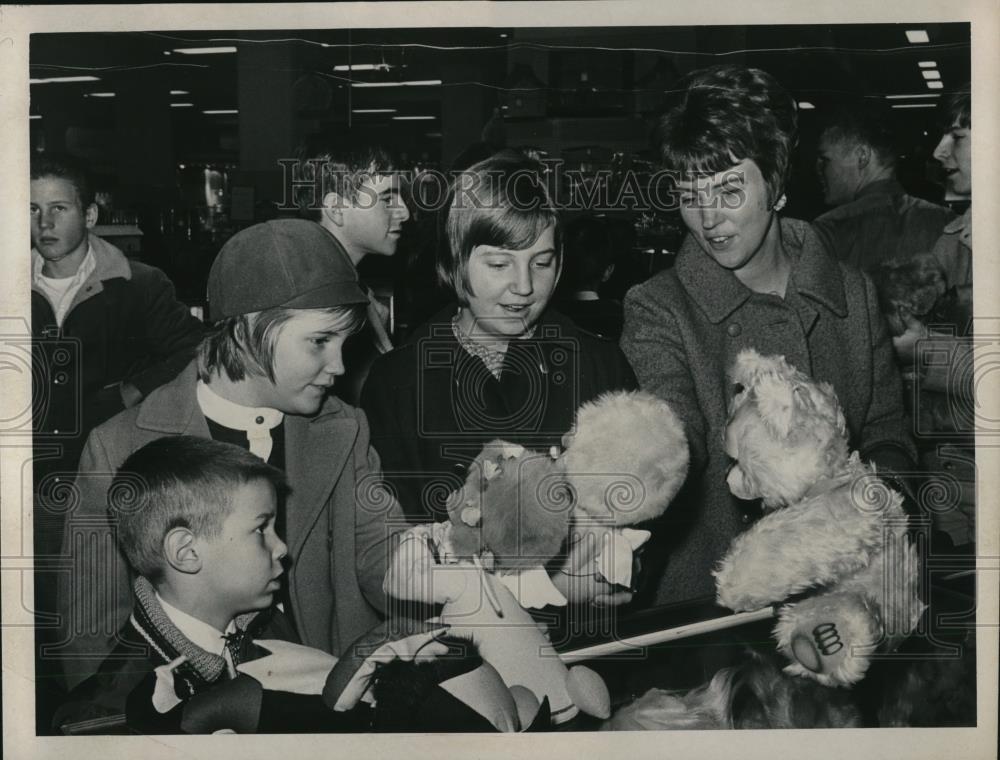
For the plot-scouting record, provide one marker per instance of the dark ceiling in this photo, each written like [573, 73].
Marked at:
[580, 73]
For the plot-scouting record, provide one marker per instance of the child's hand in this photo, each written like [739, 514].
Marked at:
[906, 344]
[419, 647]
[414, 573]
[579, 577]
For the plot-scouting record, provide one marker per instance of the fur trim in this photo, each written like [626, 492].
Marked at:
[755, 694]
[704, 708]
[627, 458]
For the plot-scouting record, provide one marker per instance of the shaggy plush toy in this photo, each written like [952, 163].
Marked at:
[915, 286]
[834, 532]
[514, 514]
[754, 694]
[624, 463]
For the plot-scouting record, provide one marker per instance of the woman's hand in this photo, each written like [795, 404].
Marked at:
[906, 344]
[578, 577]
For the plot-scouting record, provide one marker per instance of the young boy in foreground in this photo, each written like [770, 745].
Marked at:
[195, 519]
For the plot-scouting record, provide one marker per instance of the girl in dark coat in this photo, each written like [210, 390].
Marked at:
[499, 363]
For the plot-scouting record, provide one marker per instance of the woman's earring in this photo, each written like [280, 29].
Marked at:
[780, 203]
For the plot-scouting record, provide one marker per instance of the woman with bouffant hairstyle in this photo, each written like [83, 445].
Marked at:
[747, 278]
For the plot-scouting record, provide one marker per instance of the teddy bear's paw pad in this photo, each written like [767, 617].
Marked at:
[825, 654]
[822, 651]
[805, 653]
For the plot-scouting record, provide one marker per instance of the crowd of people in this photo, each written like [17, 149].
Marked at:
[252, 478]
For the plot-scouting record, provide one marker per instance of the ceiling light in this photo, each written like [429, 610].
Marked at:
[503, 35]
[935, 85]
[206, 50]
[931, 74]
[182, 105]
[373, 110]
[433, 134]
[914, 105]
[179, 92]
[362, 67]
[413, 118]
[63, 80]
[927, 64]
[34, 116]
[220, 111]
[906, 97]
[412, 83]
[916, 36]
[99, 95]
[805, 105]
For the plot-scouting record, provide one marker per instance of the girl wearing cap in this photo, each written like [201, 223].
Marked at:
[499, 363]
[284, 297]
[746, 277]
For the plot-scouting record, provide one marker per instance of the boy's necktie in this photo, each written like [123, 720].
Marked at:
[234, 646]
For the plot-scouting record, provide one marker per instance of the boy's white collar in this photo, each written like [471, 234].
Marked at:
[198, 632]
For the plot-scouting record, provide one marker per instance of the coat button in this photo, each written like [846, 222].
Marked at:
[734, 329]
[259, 420]
[745, 518]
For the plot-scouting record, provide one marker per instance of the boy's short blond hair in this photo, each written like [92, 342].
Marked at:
[179, 481]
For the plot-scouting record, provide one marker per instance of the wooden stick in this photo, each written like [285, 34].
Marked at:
[667, 634]
[491, 595]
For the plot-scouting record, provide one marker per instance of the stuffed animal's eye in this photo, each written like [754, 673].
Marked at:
[738, 389]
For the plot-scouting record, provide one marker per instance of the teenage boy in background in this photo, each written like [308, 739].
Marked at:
[355, 196]
[106, 331]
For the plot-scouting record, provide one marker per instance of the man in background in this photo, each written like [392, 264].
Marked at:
[873, 219]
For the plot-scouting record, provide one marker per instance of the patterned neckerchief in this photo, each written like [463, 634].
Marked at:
[153, 624]
[492, 358]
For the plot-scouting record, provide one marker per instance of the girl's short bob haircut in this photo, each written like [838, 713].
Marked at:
[501, 202]
[244, 345]
[724, 115]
